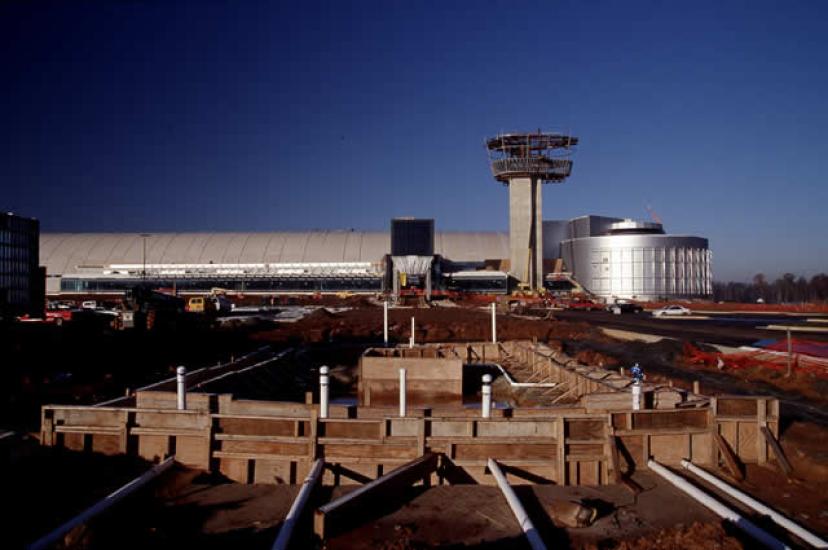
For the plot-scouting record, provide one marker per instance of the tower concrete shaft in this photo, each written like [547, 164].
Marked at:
[526, 231]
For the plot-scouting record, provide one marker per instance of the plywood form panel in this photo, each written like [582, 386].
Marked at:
[449, 428]
[512, 428]
[234, 469]
[729, 433]
[747, 435]
[193, 451]
[701, 448]
[265, 447]
[169, 400]
[669, 449]
[476, 451]
[276, 472]
[153, 447]
[73, 442]
[352, 429]
[382, 368]
[377, 452]
[172, 420]
[248, 426]
[736, 407]
[227, 405]
[107, 444]
[88, 417]
[585, 429]
[654, 420]
[403, 427]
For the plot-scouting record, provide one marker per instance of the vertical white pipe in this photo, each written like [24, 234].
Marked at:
[181, 384]
[522, 517]
[403, 408]
[486, 392]
[411, 340]
[790, 355]
[323, 392]
[494, 324]
[748, 500]
[717, 507]
[385, 322]
[636, 396]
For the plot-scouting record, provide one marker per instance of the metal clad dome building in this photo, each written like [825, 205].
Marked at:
[75, 258]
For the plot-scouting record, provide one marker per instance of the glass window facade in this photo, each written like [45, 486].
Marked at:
[19, 257]
[83, 285]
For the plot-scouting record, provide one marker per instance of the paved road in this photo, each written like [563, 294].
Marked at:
[729, 330]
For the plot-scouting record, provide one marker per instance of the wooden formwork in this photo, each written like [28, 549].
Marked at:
[277, 442]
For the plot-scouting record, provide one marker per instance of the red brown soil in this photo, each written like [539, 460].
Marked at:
[701, 536]
[432, 325]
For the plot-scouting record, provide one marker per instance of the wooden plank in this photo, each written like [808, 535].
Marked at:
[761, 422]
[498, 451]
[777, 451]
[377, 491]
[730, 458]
[614, 461]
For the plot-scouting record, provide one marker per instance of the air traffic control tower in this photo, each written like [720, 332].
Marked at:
[523, 162]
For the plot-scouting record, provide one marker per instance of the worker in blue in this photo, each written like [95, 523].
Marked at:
[637, 373]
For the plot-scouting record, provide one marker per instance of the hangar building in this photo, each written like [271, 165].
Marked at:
[609, 257]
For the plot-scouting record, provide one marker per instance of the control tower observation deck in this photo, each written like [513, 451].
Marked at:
[524, 162]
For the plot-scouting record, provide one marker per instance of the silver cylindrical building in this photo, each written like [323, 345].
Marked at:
[636, 260]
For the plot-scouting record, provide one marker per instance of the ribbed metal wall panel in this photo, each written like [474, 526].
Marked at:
[64, 252]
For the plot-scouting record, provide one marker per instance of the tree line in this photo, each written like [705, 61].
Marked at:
[788, 289]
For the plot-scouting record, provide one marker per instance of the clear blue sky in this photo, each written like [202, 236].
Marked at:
[181, 116]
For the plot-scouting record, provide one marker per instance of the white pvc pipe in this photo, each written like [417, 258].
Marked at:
[403, 409]
[517, 508]
[181, 384]
[717, 507]
[636, 396]
[52, 538]
[514, 384]
[411, 340]
[283, 539]
[385, 322]
[323, 392]
[494, 324]
[751, 502]
[486, 392]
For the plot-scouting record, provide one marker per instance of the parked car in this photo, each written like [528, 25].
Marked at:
[624, 306]
[583, 304]
[58, 316]
[673, 310]
[89, 304]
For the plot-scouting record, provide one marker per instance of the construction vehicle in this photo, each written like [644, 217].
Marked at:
[196, 304]
[144, 308]
[216, 303]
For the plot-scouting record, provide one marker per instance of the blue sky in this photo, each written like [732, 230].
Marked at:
[183, 116]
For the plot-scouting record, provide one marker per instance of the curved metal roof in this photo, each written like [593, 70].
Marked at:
[64, 252]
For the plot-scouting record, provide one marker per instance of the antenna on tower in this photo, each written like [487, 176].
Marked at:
[655, 217]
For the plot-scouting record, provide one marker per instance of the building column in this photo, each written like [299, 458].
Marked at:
[526, 231]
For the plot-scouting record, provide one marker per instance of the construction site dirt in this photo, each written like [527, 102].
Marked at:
[217, 513]
[189, 507]
[803, 395]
